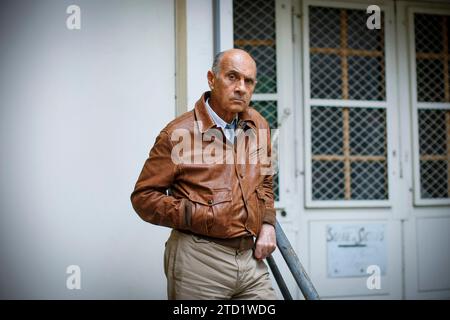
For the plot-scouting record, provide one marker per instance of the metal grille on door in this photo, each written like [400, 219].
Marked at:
[348, 144]
[433, 86]
[255, 32]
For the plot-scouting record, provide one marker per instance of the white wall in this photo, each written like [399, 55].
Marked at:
[79, 111]
[200, 49]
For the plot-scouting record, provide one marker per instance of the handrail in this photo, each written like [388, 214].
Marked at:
[279, 278]
[294, 265]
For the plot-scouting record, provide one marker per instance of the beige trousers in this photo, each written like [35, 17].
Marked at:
[199, 269]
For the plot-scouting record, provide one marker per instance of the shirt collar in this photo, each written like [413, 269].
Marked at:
[218, 120]
[245, 119]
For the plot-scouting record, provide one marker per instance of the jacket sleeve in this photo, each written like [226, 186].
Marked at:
[149, 198]
[270, 212]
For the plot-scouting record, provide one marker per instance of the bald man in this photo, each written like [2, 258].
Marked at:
[209, 178]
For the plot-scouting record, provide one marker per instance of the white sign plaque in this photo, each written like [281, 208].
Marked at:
[351, 248]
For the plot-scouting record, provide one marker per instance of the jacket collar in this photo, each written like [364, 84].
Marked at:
[206, 122]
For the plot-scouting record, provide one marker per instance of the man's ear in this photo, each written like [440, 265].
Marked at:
[211, 79]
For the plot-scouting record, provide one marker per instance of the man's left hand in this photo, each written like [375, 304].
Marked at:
[266, 242]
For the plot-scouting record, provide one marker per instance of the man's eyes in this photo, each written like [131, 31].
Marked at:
[233, 77]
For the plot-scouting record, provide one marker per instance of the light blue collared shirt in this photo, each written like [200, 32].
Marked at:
[228, 128]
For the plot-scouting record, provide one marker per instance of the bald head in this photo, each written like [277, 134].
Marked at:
[232, 81]
[231, 53]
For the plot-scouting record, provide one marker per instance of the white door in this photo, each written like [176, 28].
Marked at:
[423, 34]
[350, 228]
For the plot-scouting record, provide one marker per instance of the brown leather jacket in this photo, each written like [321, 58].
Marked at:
[219, 199]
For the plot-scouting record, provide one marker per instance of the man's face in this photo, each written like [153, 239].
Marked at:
[232, 88]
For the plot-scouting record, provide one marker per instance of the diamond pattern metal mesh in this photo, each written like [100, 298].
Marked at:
[367, 131]
[346, 58]
[428, 33]
[432, 57]
[349, 153]
[434, 184]
[348, 145]
[268, 109]
[434, 148]
[431, 34]
[328, 180]
[326, 81]
[430, 82]
[368, 180]
[254, 31]
[359, 37]
[326, 130]
[360, 85]
[324, 24]
[432, 132]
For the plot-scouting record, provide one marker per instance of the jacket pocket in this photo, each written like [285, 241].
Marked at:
[205, 207]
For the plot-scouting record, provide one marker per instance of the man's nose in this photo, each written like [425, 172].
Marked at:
[240, 86]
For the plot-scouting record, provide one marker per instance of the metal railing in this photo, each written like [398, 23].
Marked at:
[294, 265]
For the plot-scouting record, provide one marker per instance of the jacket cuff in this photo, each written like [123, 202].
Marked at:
[269, 216]
[185, 214]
